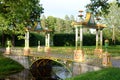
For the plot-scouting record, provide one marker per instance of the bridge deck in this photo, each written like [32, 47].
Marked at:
[59, 54]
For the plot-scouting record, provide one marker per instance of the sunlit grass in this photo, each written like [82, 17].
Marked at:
[104, 74]
[89, 50]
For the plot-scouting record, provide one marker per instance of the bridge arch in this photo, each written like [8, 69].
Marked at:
[49, 68]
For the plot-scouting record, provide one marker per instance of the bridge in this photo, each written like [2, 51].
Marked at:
[66, 58]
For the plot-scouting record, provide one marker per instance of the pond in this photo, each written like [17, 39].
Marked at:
[57, 73]
[54, 72]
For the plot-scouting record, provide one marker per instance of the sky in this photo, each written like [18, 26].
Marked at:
[60, 8]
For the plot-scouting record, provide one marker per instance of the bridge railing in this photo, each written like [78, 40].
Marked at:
[54, 50]
[88, 51]
[17, 51]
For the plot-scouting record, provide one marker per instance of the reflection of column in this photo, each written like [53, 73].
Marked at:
[96, 38]
[76, 37]
[81, 37]
[101, 39]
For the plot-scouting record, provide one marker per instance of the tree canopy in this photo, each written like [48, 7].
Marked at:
[101, 6]
[15, 15]
[112, 20]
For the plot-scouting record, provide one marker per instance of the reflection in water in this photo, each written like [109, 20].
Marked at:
[61, 72]
[46, 69]
[50, 70]
[23, 75]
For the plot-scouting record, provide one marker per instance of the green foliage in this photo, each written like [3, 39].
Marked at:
[63, 39]
[18, 14]
[98, 6]
[69, 39]
[101, 7]
[112, 21]
[58, 25]
[35, 37]
[104, 74]
[89, 39]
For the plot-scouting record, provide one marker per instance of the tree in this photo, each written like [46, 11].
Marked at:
[100, 6]
[16, 15]
[59, 28]
[112, 20]
[67, 24]
[51, 22]
[43, 21]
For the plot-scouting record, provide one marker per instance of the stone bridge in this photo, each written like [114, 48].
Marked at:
[27, 61]
[67, 60]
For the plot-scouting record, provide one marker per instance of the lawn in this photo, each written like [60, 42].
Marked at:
[104, 74]
[89, 50]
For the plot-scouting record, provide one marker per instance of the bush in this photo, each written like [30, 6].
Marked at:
[33, 40]
[64, 40]
[35, 37]
[69, 39]
[89, 39]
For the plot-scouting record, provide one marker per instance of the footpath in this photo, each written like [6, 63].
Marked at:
[115, 61]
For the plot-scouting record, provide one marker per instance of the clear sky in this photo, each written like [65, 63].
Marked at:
[60, 8]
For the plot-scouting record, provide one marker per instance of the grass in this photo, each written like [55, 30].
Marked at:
[114, 50]
[104, 74]
[8, 66]
[89, 50]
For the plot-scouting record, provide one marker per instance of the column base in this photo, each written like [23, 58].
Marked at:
[47, 49]
[8, 50]
[39, 49]
[26, 51]
[78, 55]
[98, 52]
[106, 59]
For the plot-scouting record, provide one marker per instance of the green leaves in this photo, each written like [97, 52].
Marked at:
[112, 20]
[101, 7]
[18, 14]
